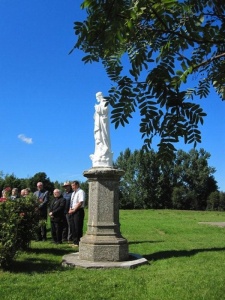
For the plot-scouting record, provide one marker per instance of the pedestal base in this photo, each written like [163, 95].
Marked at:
[106, 248]
[103, 240]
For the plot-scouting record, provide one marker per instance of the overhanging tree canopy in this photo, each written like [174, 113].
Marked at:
[175, 51]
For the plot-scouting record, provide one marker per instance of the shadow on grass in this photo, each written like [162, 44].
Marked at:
[34, 260]
[32, 265]
[178, 253]
[49, 250]
[144, 242]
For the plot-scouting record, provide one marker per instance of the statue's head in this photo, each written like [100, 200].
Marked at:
[99, 96]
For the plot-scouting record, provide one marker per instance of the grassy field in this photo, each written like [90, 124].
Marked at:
[186, 261]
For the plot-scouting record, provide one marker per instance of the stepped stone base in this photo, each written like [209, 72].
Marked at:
[73, 260]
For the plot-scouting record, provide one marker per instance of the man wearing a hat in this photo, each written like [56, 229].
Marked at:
[67, 233]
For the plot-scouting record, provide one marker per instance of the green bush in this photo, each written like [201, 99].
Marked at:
[18, 224]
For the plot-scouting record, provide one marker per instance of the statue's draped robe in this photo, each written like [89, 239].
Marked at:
[102, 156]
[101, 129]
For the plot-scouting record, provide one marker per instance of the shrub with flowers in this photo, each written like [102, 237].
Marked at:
[5, 194]
[18, 224]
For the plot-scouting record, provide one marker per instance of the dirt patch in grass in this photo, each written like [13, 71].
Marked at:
[219, 224]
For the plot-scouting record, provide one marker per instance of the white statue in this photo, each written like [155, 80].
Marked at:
[103, 155]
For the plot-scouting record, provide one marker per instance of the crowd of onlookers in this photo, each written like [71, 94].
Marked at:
[65, 210]
[14, 193]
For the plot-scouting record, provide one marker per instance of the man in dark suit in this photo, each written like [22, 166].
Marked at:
[56, 214]
[43, 199]
[67, 230]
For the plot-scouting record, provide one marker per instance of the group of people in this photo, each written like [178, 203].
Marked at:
[15, 193]
[66, 212]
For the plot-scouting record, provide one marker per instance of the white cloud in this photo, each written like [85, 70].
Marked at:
[25, 139]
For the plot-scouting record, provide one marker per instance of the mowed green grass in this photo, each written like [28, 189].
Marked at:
[186, 261]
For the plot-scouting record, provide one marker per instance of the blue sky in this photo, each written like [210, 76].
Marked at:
[47, 97]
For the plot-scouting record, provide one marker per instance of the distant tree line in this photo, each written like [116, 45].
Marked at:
[186, 183]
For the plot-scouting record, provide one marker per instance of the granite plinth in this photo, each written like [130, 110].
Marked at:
[107, 248]
[103, 241]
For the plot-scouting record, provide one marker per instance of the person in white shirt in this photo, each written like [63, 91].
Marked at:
[76, 212]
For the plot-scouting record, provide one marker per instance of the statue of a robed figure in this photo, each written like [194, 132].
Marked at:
[102, 156]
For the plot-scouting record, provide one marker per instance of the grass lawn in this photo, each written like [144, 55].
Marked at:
[186, 261]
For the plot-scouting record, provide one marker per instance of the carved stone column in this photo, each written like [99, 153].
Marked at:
[103, 240]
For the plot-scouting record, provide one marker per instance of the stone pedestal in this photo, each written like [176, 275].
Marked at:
[103, 241]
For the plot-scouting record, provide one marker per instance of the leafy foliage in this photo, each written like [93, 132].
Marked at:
[184, 184]
[18, 224]
[193, 179]
[169, 46]
[216, 201]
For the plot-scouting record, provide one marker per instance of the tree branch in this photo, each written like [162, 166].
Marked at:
[208, 61]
